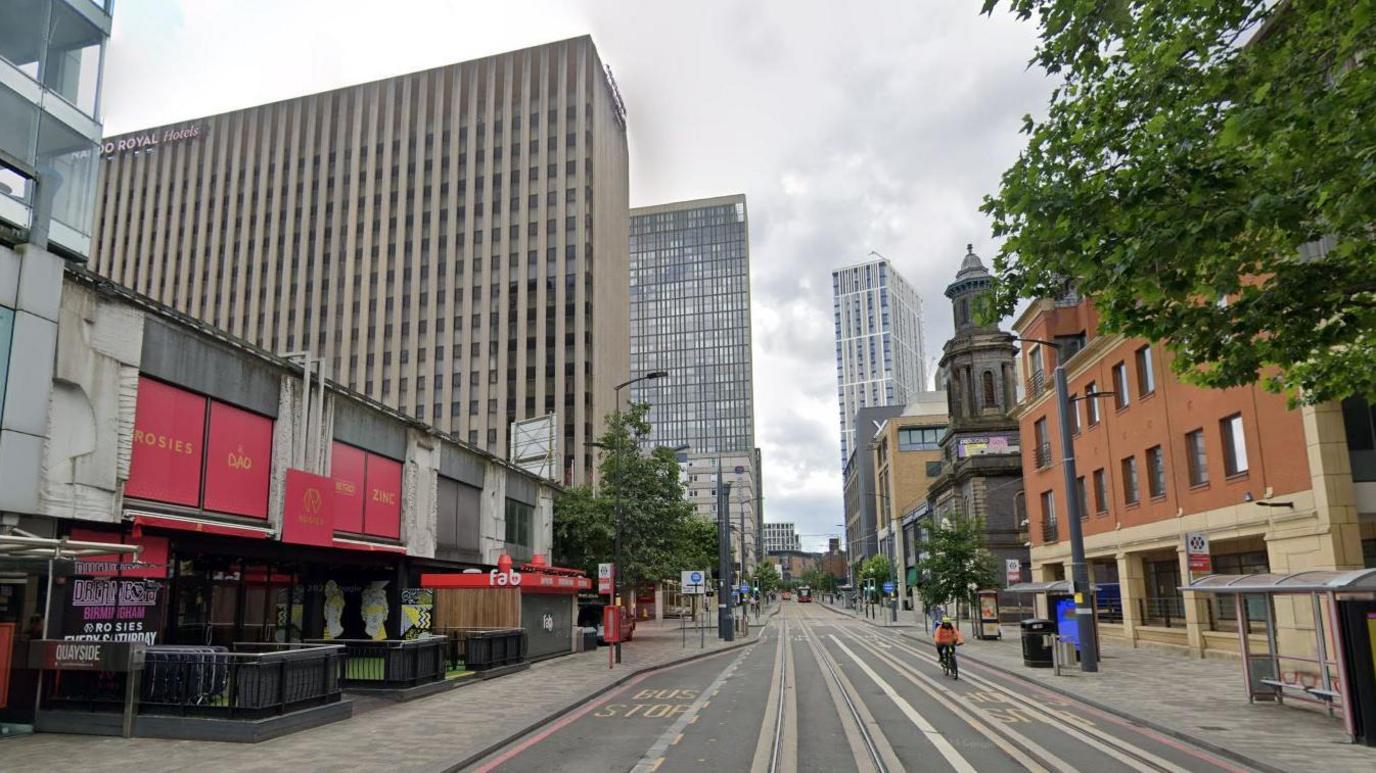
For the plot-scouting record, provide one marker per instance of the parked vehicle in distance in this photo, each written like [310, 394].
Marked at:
[787, 595]
[804, 595]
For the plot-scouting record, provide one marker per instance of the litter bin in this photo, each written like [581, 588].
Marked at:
[1036, 642]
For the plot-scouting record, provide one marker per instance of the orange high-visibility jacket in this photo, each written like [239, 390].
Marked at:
[948, 636]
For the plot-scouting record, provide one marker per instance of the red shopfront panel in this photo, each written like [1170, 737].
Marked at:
[382, 510]
[151, 562]
[308, 509]
[238, 462]
[169, 425]
[347, 465]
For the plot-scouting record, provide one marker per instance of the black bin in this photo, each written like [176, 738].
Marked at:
[1036, 642]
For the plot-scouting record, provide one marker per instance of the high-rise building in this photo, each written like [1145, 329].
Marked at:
[743, 498]
[880, 349]
[690, 317]
[781, 536]
[451, 242]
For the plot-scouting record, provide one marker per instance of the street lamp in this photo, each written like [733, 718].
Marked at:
[616, 504]
[1084, 620]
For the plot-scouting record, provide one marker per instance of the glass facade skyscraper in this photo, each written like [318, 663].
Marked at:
[880, 347]
[690, 316]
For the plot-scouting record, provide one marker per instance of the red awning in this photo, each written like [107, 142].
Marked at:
[199, 525]
[371, 547]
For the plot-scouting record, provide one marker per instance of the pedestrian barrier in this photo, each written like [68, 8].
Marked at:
[391, 663]
[479, 649]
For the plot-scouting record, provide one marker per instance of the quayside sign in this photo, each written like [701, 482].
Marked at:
[152, 139]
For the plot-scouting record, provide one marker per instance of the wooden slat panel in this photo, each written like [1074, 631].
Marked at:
[477, 608]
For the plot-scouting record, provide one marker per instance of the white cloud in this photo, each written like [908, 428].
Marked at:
[849, 126]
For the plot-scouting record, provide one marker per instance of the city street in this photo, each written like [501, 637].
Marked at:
[823, 692]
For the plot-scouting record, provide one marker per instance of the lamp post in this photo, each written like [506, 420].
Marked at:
[617, 504]
[1084, 607]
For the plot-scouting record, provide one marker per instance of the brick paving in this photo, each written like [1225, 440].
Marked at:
[430, 734]
[1198, 698]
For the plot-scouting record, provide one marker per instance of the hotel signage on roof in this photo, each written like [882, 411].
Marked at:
[152, 138]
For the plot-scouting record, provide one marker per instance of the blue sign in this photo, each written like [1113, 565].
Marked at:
[695, 578]
[745, 587]
[1066, 625]
[888, 587]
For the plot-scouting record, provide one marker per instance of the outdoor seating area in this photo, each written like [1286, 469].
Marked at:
[483, 649]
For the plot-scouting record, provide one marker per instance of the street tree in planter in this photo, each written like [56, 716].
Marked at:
[956, 564]
[1204, 173]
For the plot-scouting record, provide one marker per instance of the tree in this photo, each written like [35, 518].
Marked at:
[767, 577]
[956, 564]
[660, 535]
[1195, 151]
[876, 571]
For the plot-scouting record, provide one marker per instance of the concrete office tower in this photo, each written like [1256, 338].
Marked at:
[781, 536]
[690, 317]
[880, 348]
[452, 242]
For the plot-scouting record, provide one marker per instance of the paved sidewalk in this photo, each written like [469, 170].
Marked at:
[429, 734]
[1199, 698]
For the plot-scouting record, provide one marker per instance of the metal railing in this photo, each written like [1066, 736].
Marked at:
[478, 649]
[1036, 384]
[1168, 611]
[1043, 454]
[1050, 531]
[257, 681]
[391, 663]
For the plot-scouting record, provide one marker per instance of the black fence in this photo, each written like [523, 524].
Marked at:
[391, 663]
[478, 649]
[1168, 611]
[257, 681]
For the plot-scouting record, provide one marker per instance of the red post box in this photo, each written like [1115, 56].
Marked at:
[611, 623]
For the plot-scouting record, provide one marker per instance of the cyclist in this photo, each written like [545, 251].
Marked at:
[947, 638]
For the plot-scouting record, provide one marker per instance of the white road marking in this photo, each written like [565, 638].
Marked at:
[654, 756]
[938, 740]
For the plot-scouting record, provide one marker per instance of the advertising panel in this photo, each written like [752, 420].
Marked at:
[980, 446]
[238, 461]
[113, 609]
[382, 509]
[308, 509]
[150, 563]
[169, 424]
[347, 468]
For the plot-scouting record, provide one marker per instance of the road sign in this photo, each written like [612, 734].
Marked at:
[692, 582]
[1197, 553]
[888, 587]
[1012, 567]
[745, 587]
[604, 579]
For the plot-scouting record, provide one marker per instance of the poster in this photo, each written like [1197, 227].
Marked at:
[114, 609]
[417, 611]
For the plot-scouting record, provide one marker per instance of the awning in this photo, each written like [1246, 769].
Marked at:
[1312, 581]
[199, 525]
[22, 545]
[373, 547]
[1055, 586]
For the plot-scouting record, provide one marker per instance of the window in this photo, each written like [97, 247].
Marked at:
[1130, 491]
[1091, 404]
[1146, 378]
[520, 527]
[1043, 449]
[1100, 492]
[934, 469]
[920, 438]
[1199, 462]
[1048, 516]
[1080, 498]
[1156, 472]
[990, 401]
[1120, 386]
[1234, 445]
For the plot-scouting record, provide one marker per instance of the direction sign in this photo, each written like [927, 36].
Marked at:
[888, 587]
[604, 579]
[1012, 568]
[745, 587]
[1197, 553]
[692, 582]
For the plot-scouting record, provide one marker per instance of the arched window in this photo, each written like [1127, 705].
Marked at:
[990, 398]
[962, 312]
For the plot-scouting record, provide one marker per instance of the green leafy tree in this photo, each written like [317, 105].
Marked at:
[876, 570]
[1195, 151]
[660, 535]
[956, 564]
[767, 577]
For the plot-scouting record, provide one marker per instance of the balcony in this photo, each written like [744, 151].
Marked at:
[1050, 531]
[1043, 455]
[1036, 384]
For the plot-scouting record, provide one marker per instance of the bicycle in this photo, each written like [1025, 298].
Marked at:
[949, 666]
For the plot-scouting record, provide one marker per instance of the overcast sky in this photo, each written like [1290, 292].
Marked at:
[850, 127]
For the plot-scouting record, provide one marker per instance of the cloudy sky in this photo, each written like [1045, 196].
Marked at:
[850, 127]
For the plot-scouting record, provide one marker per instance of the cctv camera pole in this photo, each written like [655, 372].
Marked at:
[1084, 592]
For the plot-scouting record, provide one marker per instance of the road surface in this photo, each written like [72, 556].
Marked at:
[824, 692]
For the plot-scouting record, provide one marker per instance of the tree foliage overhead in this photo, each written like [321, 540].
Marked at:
[874, 572]
[956, 563]
[660, 535]
[1197, 150]
[766, 577]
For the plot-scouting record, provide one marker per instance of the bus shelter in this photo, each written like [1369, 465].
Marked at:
[1344, 615]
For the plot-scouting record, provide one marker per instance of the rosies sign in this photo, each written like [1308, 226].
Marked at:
[176, 439]
[308, 509]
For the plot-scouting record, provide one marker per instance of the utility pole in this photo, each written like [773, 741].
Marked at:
[724, 622]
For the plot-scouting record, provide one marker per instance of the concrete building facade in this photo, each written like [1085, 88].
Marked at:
[743, 499]
[1270, 487]
[781, 536]
[452, 243]
[880, 347]
[907, 460]
[859, 495]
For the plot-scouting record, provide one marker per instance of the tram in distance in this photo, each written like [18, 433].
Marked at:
[804, 595]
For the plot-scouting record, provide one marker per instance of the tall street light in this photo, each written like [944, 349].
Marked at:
[1084, 606]
[617, 503]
